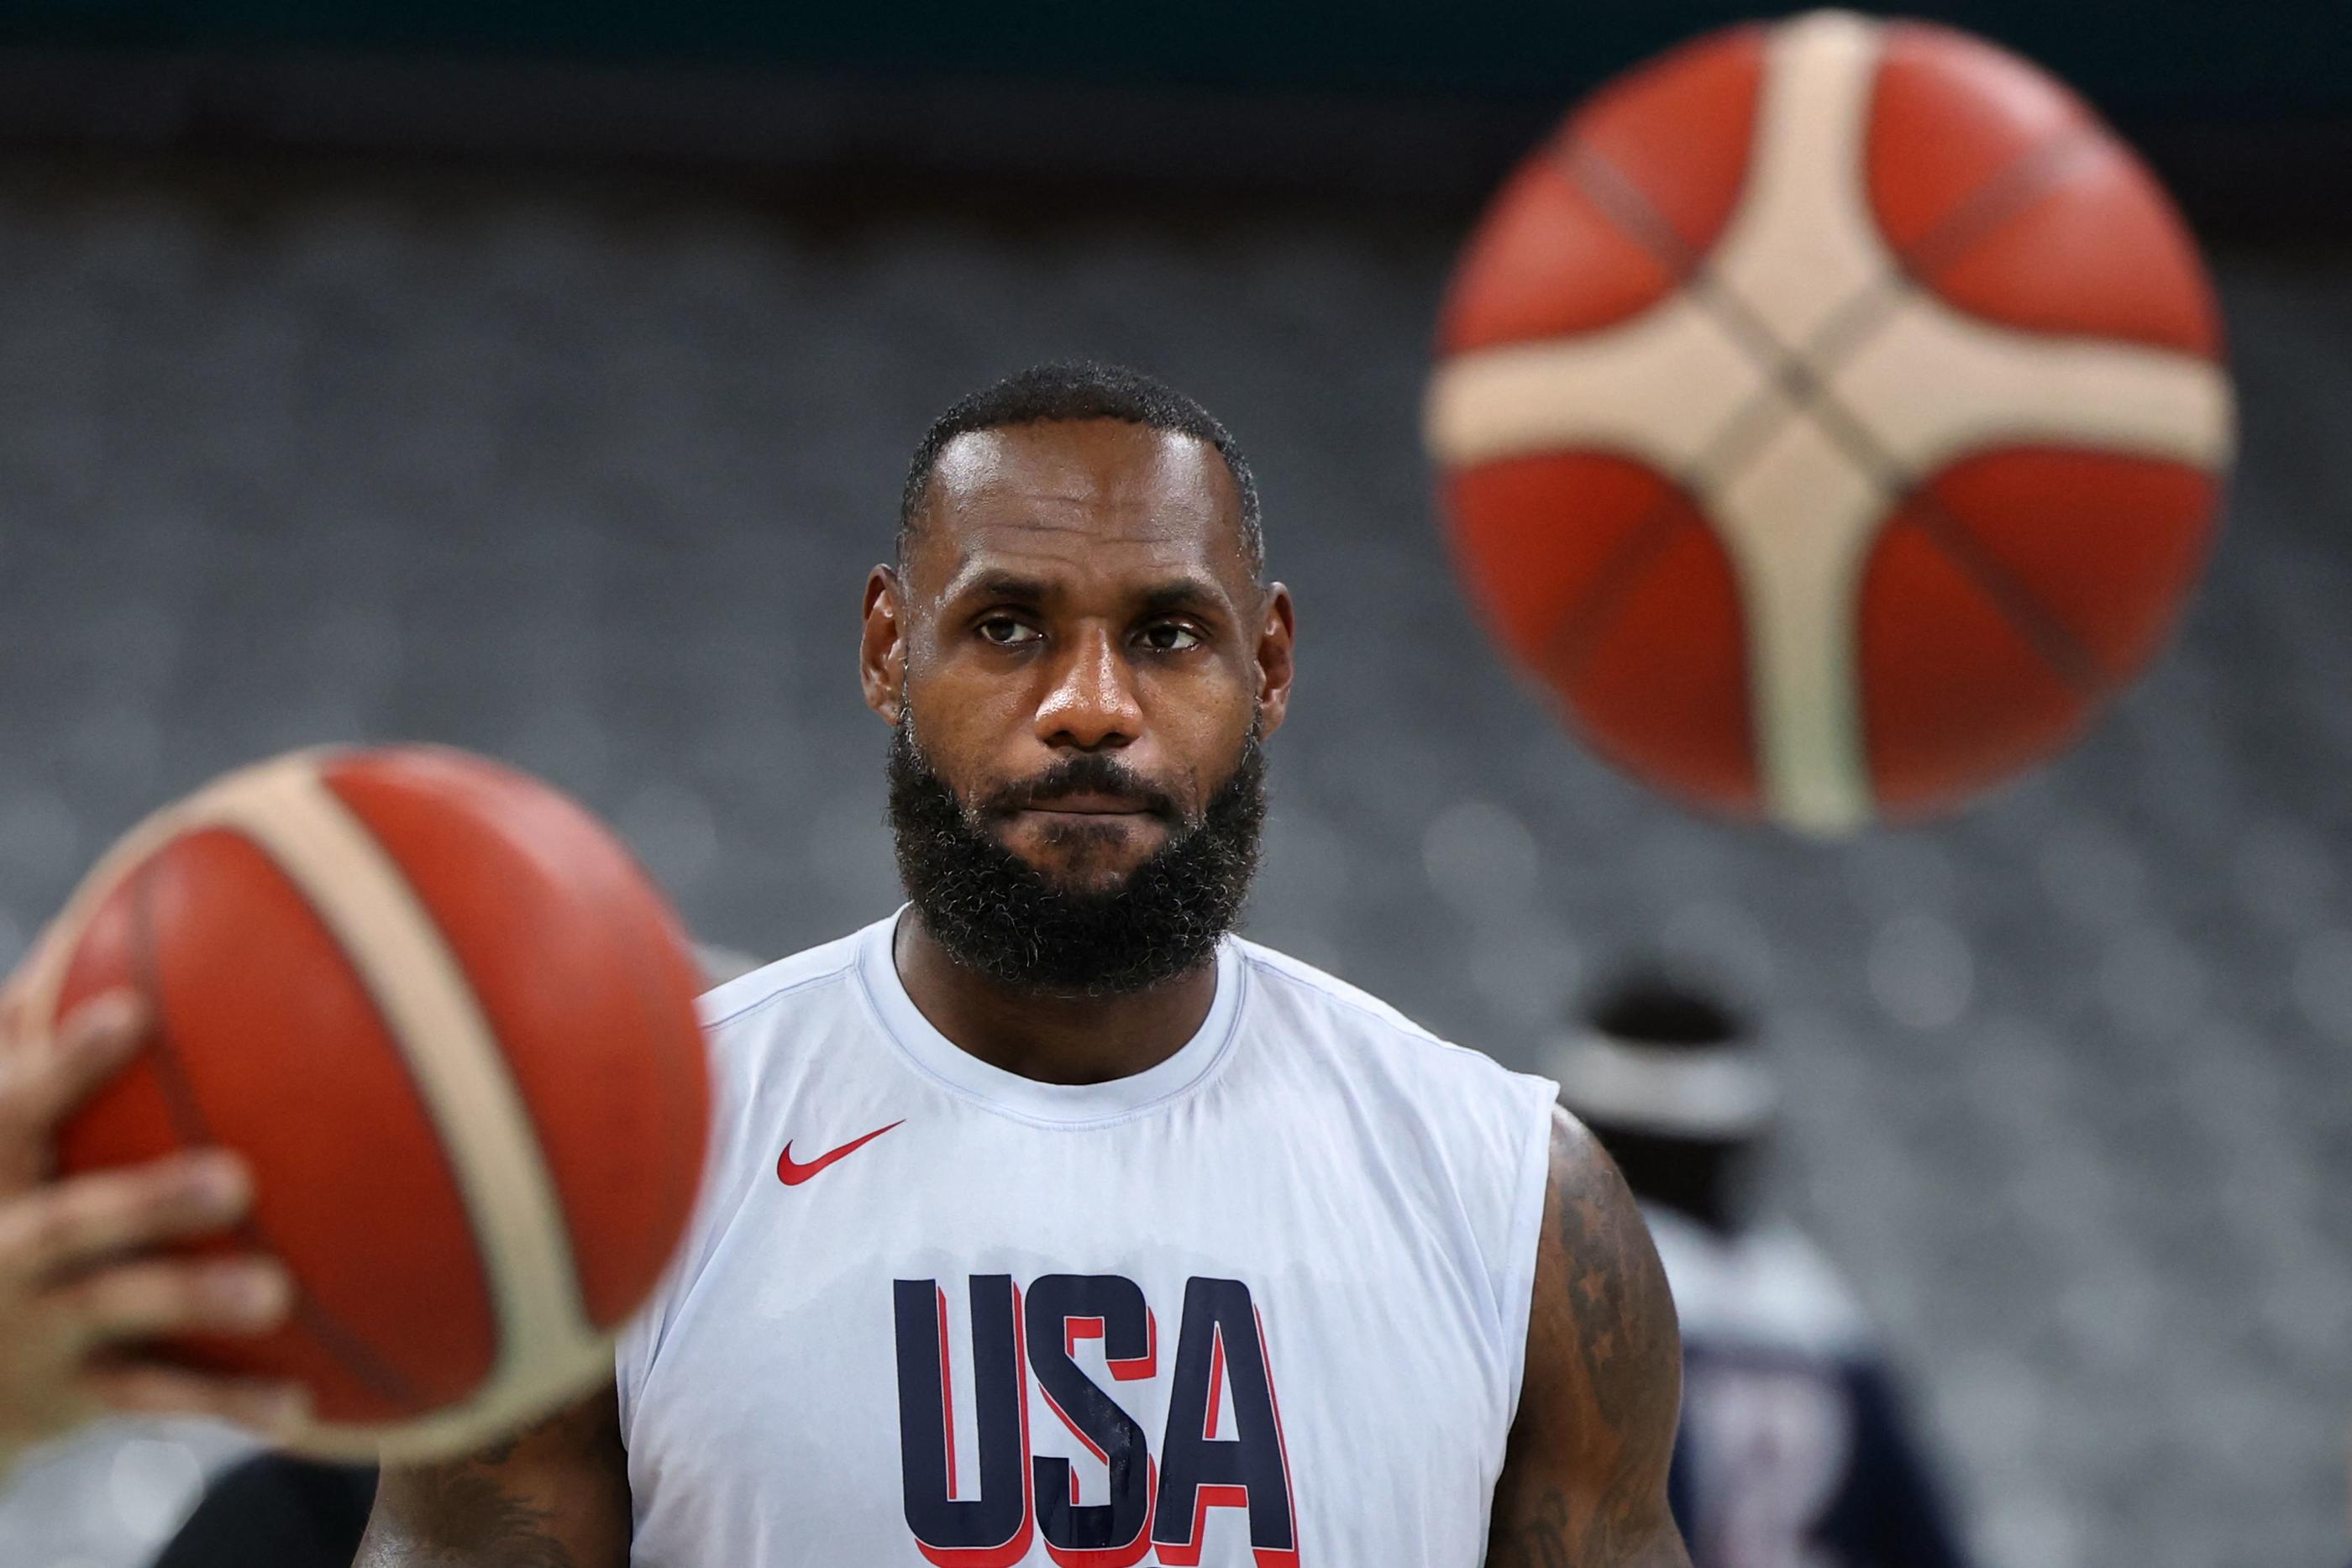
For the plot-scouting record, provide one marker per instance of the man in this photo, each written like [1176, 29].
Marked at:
[1049, 1222]
[1793, 1449]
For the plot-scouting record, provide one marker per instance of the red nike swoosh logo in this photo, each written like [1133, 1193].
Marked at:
[791, 1172]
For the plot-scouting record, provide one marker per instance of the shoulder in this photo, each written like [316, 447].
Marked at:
[1326, 1012]
[1592, 1440]
[1476, 1134]
[764, 989]
[1468, 1114]
[1604, 1320]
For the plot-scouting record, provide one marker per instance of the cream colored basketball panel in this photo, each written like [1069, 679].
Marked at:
[401, 956]
[1796, 512]
[1801, 247]
[1659, 388]
[1797, 521]
[1932, 384]
[556, 1374]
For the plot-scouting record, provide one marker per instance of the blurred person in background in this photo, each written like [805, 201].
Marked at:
[1792, 1452]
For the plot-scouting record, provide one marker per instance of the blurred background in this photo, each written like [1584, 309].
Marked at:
[540, 379]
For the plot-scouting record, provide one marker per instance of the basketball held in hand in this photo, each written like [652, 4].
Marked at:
[1831, 415]
[450, 1024]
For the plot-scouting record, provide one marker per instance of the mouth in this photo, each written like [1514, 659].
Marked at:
[1089, 803]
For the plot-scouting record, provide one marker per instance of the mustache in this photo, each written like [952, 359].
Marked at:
[1095, 774]
[999, 917]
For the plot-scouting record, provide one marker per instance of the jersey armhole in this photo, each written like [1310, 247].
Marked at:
[632, 1356]
[1524, 1237]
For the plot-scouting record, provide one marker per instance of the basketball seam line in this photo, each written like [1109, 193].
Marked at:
[1574, 635]
[1852, 325]
[1948, 534]
[1639, 219]
[2009, 191]
[2004, 194]
[2015, 602]
[346, 1349]
[1624, 203]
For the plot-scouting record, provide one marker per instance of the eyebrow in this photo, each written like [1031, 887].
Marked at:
[1000, 584]
[1184, 593]
[1187, 592]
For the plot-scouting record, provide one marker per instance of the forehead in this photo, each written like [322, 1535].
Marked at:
[1099, 493]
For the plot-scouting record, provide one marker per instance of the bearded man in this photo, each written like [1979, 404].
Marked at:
[1048, 1221]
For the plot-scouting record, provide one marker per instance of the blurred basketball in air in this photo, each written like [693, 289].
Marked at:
[451, 1025]
[1832, 414]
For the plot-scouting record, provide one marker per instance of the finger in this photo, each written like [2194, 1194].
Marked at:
[83, 1219]
[16, 991]
[40, 1086]
[146, 1388]
[158, 1297]
[16, 998]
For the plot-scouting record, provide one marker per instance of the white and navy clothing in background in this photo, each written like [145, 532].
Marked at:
[1264, 1303]
[1792, 1453]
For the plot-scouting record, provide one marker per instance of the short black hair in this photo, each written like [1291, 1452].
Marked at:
[1653, 1006]
[1073, 389]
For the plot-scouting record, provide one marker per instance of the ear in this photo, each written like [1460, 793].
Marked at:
[882, 645]
[1276, 631]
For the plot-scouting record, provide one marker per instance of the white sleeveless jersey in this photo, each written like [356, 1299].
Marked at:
[1265, 1304]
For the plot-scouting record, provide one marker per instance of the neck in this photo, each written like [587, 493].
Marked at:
[1049, 1039]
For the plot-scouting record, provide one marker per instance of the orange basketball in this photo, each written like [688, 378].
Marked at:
[451, 1025]
[1830, 414]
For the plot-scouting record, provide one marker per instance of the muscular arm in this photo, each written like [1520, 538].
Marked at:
[1584, 1479]
[555, 1495]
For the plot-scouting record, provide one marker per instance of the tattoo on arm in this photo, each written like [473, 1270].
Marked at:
[1540, 1539]
[1584, 1483]
[1624, 1319]
[555, 1495]
[461, 1516]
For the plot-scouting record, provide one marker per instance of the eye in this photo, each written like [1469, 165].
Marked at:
[1170, 637]
[1006, 633]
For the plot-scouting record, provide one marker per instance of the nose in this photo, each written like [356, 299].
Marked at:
[1091, 704]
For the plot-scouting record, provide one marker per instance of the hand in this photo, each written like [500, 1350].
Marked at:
[80, 1282]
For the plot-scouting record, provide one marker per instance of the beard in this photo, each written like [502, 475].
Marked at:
[996, 914]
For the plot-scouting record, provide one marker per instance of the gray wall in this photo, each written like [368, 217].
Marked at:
[589, 479]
